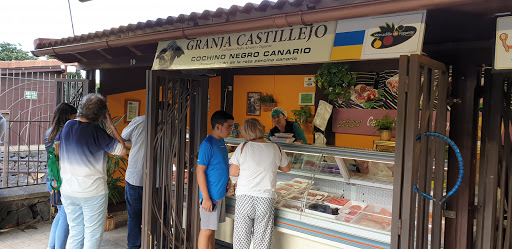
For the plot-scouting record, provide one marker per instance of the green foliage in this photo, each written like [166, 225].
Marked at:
[75, 75]
[336, 79]
[115, 164]
[11, 52]
[303, 115]
[267, 98]
[385, 123]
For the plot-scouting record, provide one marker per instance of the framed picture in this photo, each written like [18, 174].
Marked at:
[253, 104]
[306, 98]
[132, 109]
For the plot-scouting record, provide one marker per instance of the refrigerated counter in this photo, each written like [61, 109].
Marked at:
[333, 197]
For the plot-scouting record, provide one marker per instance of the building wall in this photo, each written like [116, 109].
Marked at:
[285, 88]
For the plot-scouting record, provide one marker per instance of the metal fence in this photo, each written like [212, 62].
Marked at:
[27, 100]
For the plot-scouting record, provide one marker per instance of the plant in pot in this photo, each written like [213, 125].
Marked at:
[116, 167]
[336, 79]
[303, 115]
[267, 102]
[385, 126]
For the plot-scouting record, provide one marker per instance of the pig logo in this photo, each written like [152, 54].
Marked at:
[167, 55]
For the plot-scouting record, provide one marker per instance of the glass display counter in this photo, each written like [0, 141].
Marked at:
[341, 195]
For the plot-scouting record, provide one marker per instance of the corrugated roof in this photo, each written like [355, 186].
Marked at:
[194, 19]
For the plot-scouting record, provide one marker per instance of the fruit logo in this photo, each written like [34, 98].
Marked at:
[391, 35]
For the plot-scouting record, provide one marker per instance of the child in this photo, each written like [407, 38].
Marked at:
[213, 177]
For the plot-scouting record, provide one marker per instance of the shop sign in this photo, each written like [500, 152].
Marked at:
[358, 121]
[291, 45]
[503, 46]
[361, 121]
[379, 37]
[30, 95]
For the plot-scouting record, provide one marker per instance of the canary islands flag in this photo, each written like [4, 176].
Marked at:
[349, 40]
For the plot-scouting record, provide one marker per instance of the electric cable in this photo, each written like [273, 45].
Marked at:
[459, 160]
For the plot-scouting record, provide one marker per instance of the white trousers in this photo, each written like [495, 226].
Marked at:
[254, 218]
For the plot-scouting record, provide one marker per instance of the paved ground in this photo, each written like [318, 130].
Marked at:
[36, 237]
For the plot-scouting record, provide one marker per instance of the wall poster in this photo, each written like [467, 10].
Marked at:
[253, 104]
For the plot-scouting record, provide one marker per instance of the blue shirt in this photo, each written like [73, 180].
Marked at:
[214, 155]
[82, 158]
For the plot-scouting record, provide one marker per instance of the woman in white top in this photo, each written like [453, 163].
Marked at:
[255, 162]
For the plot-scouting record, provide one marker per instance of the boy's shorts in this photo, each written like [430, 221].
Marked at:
[211, 220]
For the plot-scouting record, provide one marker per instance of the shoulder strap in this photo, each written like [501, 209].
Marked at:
[243, 148]
[279, 147]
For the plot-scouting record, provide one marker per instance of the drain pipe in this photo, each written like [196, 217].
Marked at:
[373, 8]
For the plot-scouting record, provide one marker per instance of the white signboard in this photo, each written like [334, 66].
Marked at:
[375, 37]
[292, 45]
[30, 95]
[503, 47]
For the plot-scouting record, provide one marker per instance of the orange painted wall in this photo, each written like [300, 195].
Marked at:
[117, 102]
[355, 141]
[285, 88]
[116, 106]
[215, 96]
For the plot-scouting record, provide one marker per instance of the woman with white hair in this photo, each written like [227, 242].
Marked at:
[255, 162]
[282, 125]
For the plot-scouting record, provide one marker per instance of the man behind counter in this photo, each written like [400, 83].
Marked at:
[279, 116]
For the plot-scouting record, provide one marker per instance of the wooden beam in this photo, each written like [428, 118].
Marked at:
[137, 52]
[79, 57]
[104, 54]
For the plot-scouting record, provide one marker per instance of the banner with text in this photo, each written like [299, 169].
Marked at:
[297, 44]
[358, 121]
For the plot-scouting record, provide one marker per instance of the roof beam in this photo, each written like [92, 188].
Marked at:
[79, 57]
[137, 52]
[104, 54]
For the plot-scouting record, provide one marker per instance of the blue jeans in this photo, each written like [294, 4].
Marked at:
[133, 196]
[86, 218]
[60, 228]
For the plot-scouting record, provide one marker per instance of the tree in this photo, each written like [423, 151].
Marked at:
[11, 52]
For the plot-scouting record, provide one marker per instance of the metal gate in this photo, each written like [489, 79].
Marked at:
[423, 93]
[173, 102]
[27, 101]
[71, 91]
[494, 226]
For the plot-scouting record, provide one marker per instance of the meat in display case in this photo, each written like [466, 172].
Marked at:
[342, 192]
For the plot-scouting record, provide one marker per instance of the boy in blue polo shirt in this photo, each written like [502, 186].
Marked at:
[213, 177]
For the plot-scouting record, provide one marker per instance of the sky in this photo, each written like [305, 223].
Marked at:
[23, 21]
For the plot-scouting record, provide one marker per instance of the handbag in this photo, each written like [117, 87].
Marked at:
[54, 176]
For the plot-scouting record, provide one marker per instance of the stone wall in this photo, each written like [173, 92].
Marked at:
[23, 205]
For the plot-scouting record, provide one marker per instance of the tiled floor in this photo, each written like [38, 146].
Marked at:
[36, 237]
